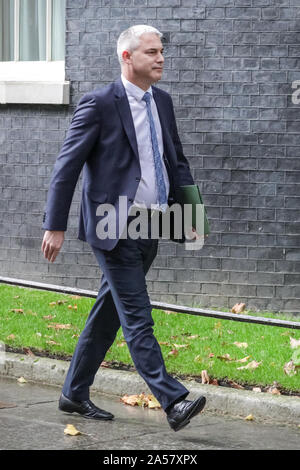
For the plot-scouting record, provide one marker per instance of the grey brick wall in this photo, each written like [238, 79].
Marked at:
[229, 66]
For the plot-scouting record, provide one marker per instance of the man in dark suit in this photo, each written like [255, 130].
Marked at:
[125, 138]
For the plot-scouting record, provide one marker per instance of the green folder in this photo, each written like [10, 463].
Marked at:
[190, 194]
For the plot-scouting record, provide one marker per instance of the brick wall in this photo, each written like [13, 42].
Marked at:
[229, 66]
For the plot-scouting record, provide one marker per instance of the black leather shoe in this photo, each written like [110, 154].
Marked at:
[182, 412]
[85, 408]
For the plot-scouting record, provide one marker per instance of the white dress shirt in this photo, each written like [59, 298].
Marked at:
[147, 194]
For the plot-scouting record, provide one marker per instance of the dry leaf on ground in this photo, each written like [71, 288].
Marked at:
[274, 390]
[70, 430]
[174, 353]
[289, 368]
[58, 326]
[49, 317]
[235, 385]
[251, 365]
[178, 346]
[12, 336]
[204, 377]
[238, 308]
[240, 345]
[256, 389]
[141, 400]
[21, 380]
[249, 418]
[53, 342]
[28, 352]
[295, 343]
[225, 357]
[17, 310]
[244, 359]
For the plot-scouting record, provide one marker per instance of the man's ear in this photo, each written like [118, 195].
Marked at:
[126, 56]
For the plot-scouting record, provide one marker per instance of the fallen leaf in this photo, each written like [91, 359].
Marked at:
[178, 346]
[225, 357]
[49, 317]
[121, 344]
[241, 345]
[131, 400]
[193, 336]
[141, 400]
[295, 343]
[214, 382]
[104, 364]
[174, 352]
[58, 326]
[211, 355]
[71, 430]
[249, 418]
[289, 368]
[165, 343]
[17, 310]
[251, 365]
[238, 308]
[273, 390]
[153, 403]
[21, 380]
[244, 359]
[12, 336]
[53, 342]
[74, 297]
[28, 351]
[235, 385]
[256, 389]
[204, 377]
[52, 304]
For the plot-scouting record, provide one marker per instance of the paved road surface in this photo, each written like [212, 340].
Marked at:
[36, 423]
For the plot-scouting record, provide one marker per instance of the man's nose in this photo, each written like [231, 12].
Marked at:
[160, 58]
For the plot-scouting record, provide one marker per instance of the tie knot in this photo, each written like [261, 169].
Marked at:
[147, 97]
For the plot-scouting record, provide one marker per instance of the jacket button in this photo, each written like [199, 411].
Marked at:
[130, 200]
[137, 178]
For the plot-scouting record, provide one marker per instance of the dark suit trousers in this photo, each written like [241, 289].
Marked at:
[122, 300]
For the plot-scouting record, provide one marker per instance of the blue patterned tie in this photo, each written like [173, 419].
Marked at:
[162, 193]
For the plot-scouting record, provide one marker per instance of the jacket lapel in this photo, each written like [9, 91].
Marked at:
[125, 114]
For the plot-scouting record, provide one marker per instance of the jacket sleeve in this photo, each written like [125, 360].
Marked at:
[80, 139]
[183, 169]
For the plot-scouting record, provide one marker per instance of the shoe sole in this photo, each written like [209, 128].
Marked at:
[198, 407]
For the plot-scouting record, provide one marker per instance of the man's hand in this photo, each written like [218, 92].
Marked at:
[52, 243]
[193, 235]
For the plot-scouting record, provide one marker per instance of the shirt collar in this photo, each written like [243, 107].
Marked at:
[133, 90]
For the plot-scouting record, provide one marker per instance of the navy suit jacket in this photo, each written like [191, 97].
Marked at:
[101, 139]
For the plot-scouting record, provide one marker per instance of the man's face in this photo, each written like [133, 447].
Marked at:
[146, 62]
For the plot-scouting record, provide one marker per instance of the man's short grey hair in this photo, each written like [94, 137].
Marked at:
[129, 40]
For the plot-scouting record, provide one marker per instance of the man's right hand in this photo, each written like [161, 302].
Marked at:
[52, 243]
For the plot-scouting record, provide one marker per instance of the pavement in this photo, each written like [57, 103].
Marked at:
[30, 418]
